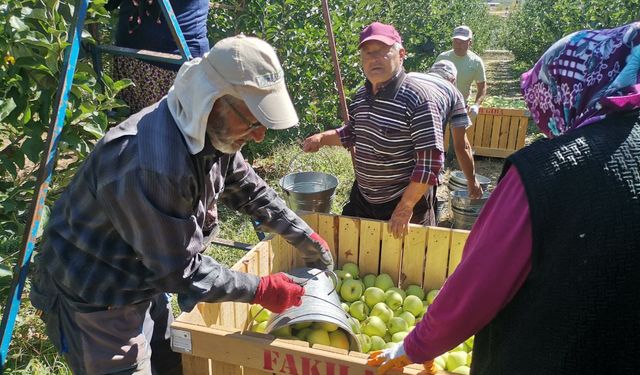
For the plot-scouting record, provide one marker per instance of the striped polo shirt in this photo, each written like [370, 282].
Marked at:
[389, 129]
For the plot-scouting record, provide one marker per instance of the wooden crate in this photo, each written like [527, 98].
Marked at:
[496, 132]
[212, 337]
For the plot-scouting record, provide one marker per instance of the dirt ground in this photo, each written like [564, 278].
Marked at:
[502, 81]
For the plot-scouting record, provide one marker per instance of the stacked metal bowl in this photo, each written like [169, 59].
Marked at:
[464, 209]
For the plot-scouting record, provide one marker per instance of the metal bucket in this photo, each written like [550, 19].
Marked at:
[466, 210]
[320, 303]
[309, 191]
[457, 181]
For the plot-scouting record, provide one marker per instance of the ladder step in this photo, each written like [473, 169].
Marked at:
[142, 54]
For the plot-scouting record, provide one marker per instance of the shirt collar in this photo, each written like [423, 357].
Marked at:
[390, 88]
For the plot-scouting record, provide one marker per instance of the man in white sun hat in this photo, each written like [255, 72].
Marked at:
[469, 65]
[133, 224]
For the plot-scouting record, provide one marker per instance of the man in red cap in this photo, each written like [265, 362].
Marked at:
[395, 127]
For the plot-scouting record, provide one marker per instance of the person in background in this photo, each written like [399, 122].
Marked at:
[441, 79]
[134, 222]
[142, 25]
[396, 131]
[548, 281]
[469, 65]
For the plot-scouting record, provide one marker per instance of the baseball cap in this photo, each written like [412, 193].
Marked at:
[462, 32]
[446, 69]
[381, 32]
[252, 67]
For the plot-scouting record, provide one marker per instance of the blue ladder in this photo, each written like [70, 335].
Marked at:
[48, 160]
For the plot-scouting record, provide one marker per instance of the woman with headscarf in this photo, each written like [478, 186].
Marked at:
[549, 278]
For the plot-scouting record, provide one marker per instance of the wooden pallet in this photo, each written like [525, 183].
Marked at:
[496, 132]
[211, 336]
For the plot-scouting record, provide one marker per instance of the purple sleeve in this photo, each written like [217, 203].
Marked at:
[494, 265]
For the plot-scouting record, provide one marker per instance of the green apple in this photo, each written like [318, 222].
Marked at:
[355, 324]
[393, 299]
[327, 326]
[304, 333]
[415, 290]
[390, 345]
[259, 327]
[382, 311]
[402, 292]
[352, 268]
[259, 313]
[384, 281]
[397, 324]
[339, 339]
[469, 357]
[413, 305]
[345, 307]
[369, 280]
[432, 295]
[282, 331]
[460, 348]
[469, 342]
[374, 326]
[319, 336]
[465, 370]
[365, 342]
[373, 295]
[455, 360]
[408, 317]
[377, 343]
[302, 325]
[441, 361]
[359, 310]
[399, 336]
[351, 290]
[387, 337]
[343, 275]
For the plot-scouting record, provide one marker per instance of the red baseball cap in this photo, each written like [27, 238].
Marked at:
[381, 32]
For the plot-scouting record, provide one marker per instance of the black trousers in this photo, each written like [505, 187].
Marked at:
[358, 206]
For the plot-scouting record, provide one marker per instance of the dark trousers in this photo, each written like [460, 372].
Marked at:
[358, 206]
[131, 339]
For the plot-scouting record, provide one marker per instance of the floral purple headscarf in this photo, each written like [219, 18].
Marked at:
[583, 78]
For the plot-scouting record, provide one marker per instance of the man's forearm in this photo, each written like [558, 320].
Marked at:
[464, 155]
[414, 192]
[481, 92]
[330, 138]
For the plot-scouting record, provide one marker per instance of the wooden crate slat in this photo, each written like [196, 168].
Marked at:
[522, 132]
[348, 240]
[391, 254]
[513, 133]
[252, 371]
[413, 256]
[481, 120]
[281, 260]
[510, 112]
[210, 313]
[495, 131]
[195, 365]
[327, 229]
[369, 253]
[504, 132]
[486, 133]
[221, 368]
[458, 239]
[274, 356]
[437, 257]
[263, 250]
[310, 218]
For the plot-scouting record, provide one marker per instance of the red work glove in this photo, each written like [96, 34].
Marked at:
[323, 259]
[278, 292]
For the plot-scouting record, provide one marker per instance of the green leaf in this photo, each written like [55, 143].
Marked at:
[6, 106]
[5, 272]
[17, 24]
[32, 148]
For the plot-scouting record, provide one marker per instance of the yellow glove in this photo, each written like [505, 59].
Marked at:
[388, 359]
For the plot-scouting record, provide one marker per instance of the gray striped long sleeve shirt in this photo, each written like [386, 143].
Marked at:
[138, 214]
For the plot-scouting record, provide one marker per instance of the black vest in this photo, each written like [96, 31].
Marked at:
[578, 312]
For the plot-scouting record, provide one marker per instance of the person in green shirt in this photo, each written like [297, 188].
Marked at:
[470, 67]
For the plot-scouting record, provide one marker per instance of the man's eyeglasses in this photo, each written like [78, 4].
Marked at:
[251, 125]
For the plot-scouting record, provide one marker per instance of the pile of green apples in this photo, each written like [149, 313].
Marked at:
[380, 315]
